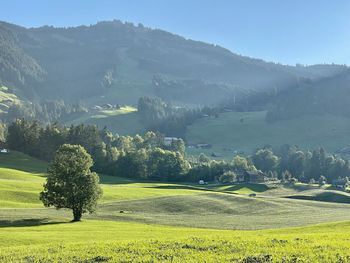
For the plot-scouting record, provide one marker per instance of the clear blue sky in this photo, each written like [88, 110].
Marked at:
[286, 31]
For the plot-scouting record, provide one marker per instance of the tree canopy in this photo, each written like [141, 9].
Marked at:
[70, 183]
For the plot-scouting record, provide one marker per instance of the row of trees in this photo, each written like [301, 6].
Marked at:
[46, 111]
[148, 157]
[131, 156]
[305, 166]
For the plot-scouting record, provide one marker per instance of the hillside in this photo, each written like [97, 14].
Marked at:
[327, 96]
[115, 62]
[243, 132]
[124, 121]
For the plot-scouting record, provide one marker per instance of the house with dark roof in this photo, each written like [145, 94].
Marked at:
[255, 177]
[341, 183]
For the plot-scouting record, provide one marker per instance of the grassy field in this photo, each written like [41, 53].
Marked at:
[103, 241]
[162, 222]
[124, 121]
[228, 134]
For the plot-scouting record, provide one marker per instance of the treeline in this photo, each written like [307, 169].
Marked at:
[150, 157]
[138, 157]
[145, 157]
[304, 166]
[47, 111]
[157, 115]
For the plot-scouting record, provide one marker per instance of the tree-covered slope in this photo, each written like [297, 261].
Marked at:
[115, 61]
[327, 96]
[19, 70]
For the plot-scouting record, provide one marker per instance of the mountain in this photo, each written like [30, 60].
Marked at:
[326, 96]
[115, 62]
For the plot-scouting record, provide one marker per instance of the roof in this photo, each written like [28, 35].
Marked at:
[256, 173]
[340, 181]
[171, 138]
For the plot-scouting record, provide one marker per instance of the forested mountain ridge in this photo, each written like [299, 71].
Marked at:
[19, 70]
[120, 62]
[327, 96]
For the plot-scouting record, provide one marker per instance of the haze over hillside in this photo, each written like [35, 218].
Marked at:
[88, 74]
[120, 62]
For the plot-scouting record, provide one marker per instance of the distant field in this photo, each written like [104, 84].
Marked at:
[228, 134]
[124, 121]
[161, 222]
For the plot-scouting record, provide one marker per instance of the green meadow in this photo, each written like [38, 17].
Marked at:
[123, 121]
[162, 222]
[231, 134]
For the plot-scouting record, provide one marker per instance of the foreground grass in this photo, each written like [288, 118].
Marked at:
[102, 241]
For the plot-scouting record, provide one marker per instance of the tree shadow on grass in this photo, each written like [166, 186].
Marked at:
[110, 179]
[29, 222]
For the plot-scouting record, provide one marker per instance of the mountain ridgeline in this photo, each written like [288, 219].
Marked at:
[120, 62]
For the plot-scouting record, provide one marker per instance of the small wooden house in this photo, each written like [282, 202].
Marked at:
[341, 183]
[169, 140]
[254, 177]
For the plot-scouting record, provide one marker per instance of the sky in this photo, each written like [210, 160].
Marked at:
[284, 31]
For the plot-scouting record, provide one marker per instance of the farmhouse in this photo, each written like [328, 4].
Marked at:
[255, 177]
[341, 183]
[169, 140]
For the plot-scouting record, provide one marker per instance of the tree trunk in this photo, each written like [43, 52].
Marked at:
[77, 213]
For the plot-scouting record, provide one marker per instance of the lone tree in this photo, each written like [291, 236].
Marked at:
[70, 183]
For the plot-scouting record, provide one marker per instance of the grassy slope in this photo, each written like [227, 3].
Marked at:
[225, 207]
[34, 234]
[124, 121]
[21, 179]
[228, 134]
[225, 211]
[20, 187]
